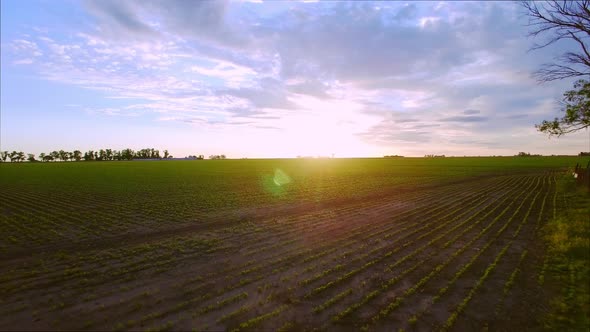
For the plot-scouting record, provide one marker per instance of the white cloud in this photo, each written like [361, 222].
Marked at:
[23, 62]
[359, 69]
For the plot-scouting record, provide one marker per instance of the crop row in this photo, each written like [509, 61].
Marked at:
[400, 232]
[257, 269]
[417, 264]
[414, 288]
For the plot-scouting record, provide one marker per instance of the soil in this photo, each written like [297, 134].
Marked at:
[269, 267]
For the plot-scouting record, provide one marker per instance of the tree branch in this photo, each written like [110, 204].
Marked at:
[564, 20]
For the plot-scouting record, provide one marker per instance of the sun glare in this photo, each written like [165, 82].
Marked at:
[325, 128]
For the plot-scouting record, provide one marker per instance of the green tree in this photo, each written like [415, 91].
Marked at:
[127, 154]
[559, 21]
[3, 155]
[63, 155]
[31, 157]
[42, 156]
[13, 156]
[564, 21]
[576, 108]
[77, 155]
[89, 156]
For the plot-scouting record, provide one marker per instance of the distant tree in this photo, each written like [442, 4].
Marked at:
[525, 154]
[13, 156]
[63, 155]
[216, 156]
[165, 154]
[17, 156]
[102, 154]
[77, 155]
[127, 154]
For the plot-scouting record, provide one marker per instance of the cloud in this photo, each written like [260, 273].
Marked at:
[467, 118]
[471, 112]
[23, 61]
[409, 68]
[119, 19]
[517, 116]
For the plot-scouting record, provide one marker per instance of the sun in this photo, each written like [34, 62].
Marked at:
[324, 128]
[319, 128]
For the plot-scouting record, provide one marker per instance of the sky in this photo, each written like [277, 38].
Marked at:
[276, 78]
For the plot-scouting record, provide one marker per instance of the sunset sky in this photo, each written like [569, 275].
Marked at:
[276, 79]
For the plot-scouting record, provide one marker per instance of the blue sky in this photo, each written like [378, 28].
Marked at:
[276, 79]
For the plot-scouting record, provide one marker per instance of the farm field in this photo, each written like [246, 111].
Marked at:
[285, 244]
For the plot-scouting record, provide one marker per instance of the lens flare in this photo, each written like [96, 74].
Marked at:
[276, 184]
[281, 178]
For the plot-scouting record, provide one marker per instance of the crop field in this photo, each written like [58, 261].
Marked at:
[289, 245]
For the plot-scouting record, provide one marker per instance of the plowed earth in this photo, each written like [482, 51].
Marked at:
[461, 255]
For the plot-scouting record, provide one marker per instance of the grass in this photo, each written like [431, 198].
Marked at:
[568, 260]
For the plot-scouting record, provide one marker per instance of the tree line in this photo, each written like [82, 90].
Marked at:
[201, 157]
[91, 155]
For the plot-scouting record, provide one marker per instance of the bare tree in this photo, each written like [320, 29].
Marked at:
[561, 20]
